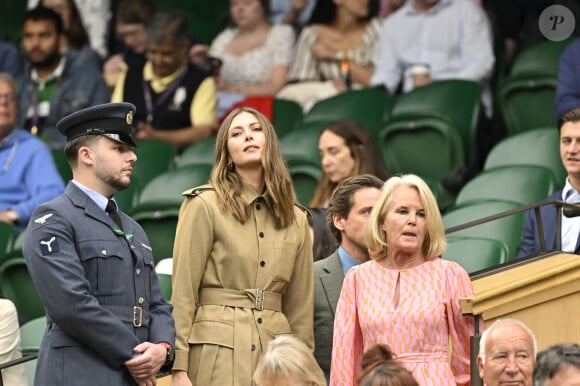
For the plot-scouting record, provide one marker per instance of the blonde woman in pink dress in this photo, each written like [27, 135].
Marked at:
[406, 296]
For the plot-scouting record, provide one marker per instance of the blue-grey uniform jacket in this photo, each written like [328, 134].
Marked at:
[99, 289]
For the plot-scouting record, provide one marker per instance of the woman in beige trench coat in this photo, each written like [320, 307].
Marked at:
[242, 269]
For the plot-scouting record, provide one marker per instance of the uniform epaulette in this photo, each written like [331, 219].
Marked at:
[197, 190]
[304, 209]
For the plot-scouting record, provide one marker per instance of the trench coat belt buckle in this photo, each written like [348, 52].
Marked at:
[256, 298]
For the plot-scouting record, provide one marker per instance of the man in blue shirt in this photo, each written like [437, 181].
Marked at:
[349, 208]
[28, 174]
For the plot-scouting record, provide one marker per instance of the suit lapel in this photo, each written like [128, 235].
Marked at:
[332, 280]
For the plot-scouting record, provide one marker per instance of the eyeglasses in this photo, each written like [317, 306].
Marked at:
[10, 97]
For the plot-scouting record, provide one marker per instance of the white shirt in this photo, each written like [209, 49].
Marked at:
[454, 38]
[570, 226]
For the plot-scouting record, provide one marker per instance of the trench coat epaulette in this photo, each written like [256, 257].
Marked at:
[197, 190]
[304, 209]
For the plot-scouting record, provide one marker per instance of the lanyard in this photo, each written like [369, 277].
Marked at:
[163, 97]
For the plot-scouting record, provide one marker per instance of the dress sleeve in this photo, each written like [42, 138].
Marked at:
[283, 41]
[347, 346]
[461, 327]
[193, 245]
[304, 65]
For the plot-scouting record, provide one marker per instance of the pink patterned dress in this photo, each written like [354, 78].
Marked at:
[418, 329]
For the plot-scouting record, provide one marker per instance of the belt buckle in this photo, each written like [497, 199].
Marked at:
[259, 299]
[137, 316]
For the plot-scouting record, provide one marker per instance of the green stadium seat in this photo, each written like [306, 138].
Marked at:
[16, 285]
[366, 106]
[201, 152]
[524, 184]
[159, 202]
[31, 334]
[475, 253]
[305, 179]
[507, 230]
[542, 147]
[153, 158]
[287, 116]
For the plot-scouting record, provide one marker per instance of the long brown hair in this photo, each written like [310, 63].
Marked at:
[363, 150]
[228, 184]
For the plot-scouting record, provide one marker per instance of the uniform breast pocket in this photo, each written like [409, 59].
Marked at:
[104, 265]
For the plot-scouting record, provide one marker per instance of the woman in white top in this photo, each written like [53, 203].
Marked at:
[255, 53]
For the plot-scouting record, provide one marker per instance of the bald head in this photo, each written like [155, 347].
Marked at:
[507, 354]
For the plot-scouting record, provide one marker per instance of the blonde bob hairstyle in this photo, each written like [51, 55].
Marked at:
[288, 358]
[434, 243]
[228, 184]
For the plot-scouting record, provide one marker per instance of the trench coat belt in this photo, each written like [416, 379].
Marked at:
[136, 316]
[256, 298]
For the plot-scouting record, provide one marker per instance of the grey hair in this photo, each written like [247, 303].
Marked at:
[553, 359]
[499, 323]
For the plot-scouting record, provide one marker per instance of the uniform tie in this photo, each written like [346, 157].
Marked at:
[111, 210]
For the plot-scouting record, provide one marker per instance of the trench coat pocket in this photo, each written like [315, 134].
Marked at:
[212, 332]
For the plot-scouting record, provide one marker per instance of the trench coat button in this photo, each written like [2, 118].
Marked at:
[132, 247]
[138, 271]
[104, 252]
[259, 320]
[262, 263]
[261, 234]
[258, 206]
[253, 347]
[141, 300]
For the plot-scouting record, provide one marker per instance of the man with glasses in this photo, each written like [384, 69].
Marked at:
[27, 170]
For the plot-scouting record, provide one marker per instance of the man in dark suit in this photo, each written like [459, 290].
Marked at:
[569, 129]
[107, 320]
[348, 211]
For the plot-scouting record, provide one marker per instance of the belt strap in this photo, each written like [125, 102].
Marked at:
[132, 315]
[257, 298]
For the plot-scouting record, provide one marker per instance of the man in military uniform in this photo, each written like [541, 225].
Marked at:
[92, 265]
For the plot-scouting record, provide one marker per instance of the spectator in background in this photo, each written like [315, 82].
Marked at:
[568, 89]
[29, 176]
[131, 18]
[348, 212]
[558, 365]
[346, 149]
[507, 353]
[430, 40]
[75, 42]
[94, 15]
[176, 102]
[569, 129]
[379, 368]
[255, 54]
[288, 361]
[10, 59]
[53, 85]
[10, 345]
[336, 50]
[406, 296]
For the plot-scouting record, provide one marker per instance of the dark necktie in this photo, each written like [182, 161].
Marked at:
[111, 210]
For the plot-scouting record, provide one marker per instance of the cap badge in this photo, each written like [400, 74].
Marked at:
[129, 117]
